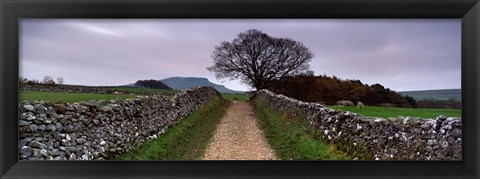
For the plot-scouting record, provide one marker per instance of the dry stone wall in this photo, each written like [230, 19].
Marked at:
[401, 138]
[78, 89]
[66, 88]
[97, 130]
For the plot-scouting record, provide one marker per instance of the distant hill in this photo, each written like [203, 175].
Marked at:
[443, 94]
[152, 84]
[181, 83]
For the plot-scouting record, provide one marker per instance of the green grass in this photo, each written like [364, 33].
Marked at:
[151, 90]
[56, 97]
[290, 137]
[188, 139]
[386, 112]
[234, 97]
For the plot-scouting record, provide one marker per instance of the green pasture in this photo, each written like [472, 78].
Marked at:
[56, 97]
[386, 112]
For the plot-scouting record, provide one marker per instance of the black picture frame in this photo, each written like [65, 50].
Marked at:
[12, 10]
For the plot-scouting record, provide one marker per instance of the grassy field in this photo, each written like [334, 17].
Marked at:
[188, 139]
[290, 138]
[136, 89]
[55, 97]
[234, 97]
[77, 97]
[386, 112]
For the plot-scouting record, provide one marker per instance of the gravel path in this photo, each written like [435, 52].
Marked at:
[238, 137]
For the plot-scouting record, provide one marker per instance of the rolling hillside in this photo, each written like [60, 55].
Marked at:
[443, 94]
[181, 83]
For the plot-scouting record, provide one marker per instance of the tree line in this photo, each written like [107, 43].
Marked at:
[329, 90]
[48, 80]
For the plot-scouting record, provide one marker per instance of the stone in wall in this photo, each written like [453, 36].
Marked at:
[401, 138]
[98, 130]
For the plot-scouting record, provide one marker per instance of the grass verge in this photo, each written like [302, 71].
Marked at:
[386, 112]
[234, 97]
[290, 138]
[56, 97]
[188, 139]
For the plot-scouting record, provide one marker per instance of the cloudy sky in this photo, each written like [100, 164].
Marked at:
[399, 54]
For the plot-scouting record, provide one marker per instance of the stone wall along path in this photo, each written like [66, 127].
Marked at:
[401, 138]
[238, 137]
[101, 130]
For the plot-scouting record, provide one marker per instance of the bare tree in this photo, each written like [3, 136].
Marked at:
[60, 80]
[256, 58]
[22, 80]
[48, 80]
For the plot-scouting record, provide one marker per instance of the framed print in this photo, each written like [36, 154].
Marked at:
[344, 89]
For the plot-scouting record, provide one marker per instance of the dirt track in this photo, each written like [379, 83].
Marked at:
[238, 137]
